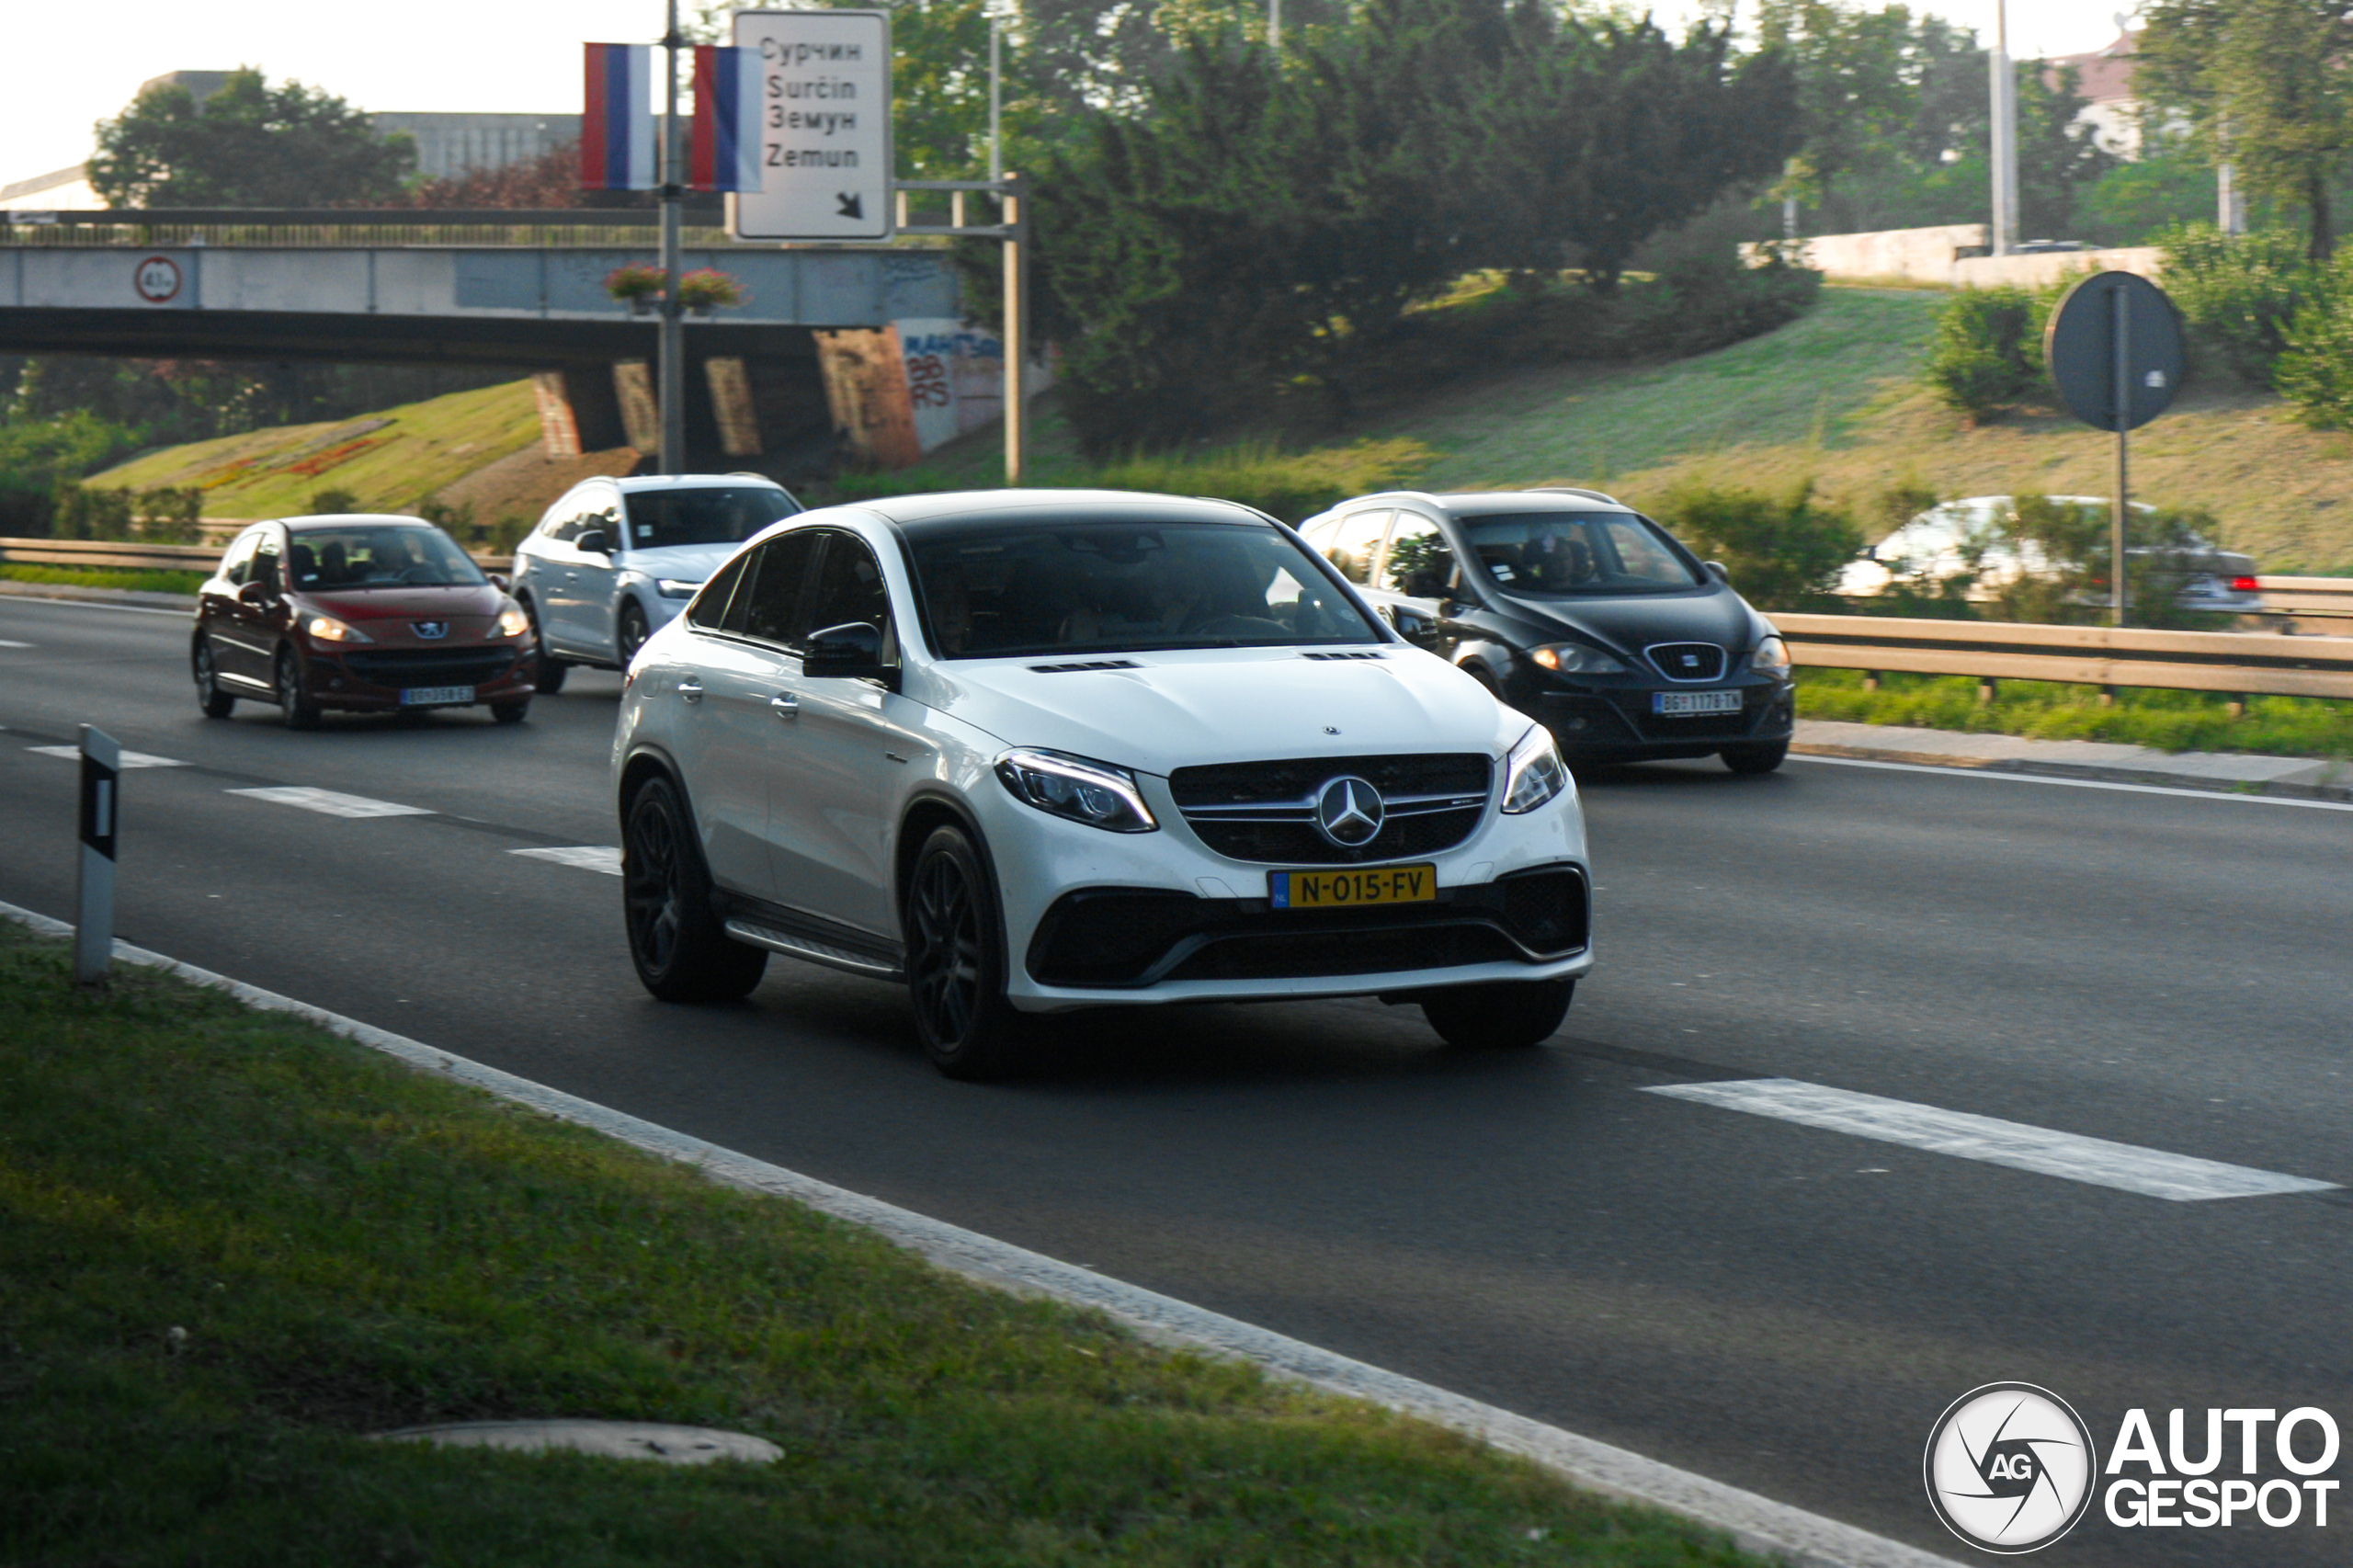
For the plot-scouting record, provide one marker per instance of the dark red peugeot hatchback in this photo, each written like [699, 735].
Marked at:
[373, 613]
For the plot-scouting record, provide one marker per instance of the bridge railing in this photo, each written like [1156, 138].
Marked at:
[304, 228]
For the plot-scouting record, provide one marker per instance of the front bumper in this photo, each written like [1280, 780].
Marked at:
[1615, 724]
[370, 680]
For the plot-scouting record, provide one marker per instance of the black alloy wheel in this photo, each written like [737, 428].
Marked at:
[1506, 1015]
[295, 709]
[682, 952]
[548, 672]
[1761, 757]
[631, 632]
[216, 703]
[956, 962]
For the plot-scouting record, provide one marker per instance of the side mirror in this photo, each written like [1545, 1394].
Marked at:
[1717, 570]
[1410, 623]
[503, 581]
[253, 593]
[595, 540]
[848, 653]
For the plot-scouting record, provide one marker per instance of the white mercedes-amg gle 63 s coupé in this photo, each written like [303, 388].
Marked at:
[1028, 750]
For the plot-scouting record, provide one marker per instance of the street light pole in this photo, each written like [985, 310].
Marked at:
[670, 370]
[2003, 92]
[1274, 24]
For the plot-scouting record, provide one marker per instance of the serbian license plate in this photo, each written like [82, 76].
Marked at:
[1353, 887]
[1695, 702]
[434, 696]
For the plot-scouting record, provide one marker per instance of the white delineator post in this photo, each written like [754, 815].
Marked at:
[93, 902]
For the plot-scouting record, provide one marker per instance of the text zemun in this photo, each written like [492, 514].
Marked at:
[2176, 1492]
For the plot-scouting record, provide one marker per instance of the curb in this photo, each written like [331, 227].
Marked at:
[2089, 772]
[138, 598]
[1756, 1523]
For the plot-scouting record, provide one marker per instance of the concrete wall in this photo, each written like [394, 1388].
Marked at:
[2048, 266]
[1936, 255]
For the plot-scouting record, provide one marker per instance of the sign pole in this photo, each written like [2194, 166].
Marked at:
[94, 901]
[1016, 326]
[2120, 305]
[671, 369]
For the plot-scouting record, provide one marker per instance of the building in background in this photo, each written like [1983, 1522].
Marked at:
[2103, 78]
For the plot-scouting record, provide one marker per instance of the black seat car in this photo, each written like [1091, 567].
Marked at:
[1579, 611]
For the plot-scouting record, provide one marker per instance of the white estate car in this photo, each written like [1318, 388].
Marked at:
[1964, 536]
[1026, 751]
[614, 559]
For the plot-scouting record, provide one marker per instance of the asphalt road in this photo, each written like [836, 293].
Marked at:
[1778, 1306]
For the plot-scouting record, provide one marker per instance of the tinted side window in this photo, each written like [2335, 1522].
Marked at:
[709, 609]
[1357, 541]
[770, 606]
[1419, 563]
[238, 563]
[849, 586]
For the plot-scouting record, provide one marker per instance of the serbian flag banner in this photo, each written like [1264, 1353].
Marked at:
[616, 122]
[724, 151]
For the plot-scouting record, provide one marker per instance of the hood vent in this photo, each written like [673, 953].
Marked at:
[1088, 665]
[1340, 656]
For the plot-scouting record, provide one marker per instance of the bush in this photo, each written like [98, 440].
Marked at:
[1987, 354]
[2239, 294]
[1782, 552]
[330, 501]
[40, 457]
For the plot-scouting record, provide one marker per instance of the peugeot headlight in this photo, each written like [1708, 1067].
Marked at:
[676, 588]
[1092, 793]
[1771, 656]
[1577, 659]
[1534, 773]
[511, 623]
[327, 629]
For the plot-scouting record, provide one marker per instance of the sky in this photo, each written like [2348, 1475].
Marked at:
[485, 55]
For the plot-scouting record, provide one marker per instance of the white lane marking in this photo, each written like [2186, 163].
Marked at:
[2180, 1178]
[5, 643]
[96, 604]
[130, 759]
[1756, 1523]
[587, 856]
[1960, 772]
[327, 803]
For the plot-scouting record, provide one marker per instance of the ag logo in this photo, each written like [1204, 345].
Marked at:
[2010, 1468]
[157, 279]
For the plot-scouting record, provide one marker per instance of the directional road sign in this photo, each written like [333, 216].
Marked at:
[824, 109]
[2081, 348]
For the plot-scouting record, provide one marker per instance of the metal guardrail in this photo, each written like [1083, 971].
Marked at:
[2237, 663]
[303, 228]
[127, 555]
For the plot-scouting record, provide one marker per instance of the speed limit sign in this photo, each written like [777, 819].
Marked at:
[157, 280]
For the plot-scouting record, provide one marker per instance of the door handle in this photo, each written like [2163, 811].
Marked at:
[784, 705]
[692, 690]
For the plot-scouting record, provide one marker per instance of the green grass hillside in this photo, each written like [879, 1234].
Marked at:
[388, 460]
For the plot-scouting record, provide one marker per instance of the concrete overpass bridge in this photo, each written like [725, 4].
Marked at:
[494, 288]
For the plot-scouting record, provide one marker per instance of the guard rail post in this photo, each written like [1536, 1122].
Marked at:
[93, 902]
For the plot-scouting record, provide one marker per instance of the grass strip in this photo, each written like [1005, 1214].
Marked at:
[144, 582]
[230, 1243]
[2163, 721]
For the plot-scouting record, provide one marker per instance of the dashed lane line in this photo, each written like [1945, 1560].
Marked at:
[5, 643]
[328, 802]
[2179, 1179]
[130, 759]
[587, 856]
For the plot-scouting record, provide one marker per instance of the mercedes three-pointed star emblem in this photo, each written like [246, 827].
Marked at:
[1350, 811]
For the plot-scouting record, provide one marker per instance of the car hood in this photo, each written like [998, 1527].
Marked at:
[408, 604]
[1226, 705]
[1631, 623]
[684, 563]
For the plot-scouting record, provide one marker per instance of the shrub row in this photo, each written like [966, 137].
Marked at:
[163, 515]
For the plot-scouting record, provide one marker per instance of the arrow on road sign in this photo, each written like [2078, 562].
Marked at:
[852, 206]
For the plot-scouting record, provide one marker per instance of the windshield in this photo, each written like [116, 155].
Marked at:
[1574, 555]
[390, 555]
[663, 517]
[1084, 587]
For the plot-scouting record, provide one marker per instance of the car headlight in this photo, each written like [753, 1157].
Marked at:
[1771, 656]
[327, 629]
[512, 622]
[1577, 659]
[676, 588]
[1533, 774]
[1092, 793]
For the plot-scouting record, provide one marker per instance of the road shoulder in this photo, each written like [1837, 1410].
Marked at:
[2291, 777]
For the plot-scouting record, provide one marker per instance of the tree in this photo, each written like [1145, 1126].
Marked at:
[2267, 90]
[249, 145]
[1857, 83]
[2059, 158]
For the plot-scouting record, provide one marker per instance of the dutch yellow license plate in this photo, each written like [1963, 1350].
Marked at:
[1352, 888]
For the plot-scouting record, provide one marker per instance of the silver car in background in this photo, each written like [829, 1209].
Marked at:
[614, 559]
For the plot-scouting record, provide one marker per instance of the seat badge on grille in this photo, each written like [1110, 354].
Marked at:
[1348, 811]
[432, 630]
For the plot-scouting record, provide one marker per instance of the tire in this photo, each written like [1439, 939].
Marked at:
[548, 672]
[630, 632]
[1760, 758]
[216, 703]
[1506, 1015]
[956, 962]
[681, 951]
[295, 709]
[510, 712]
